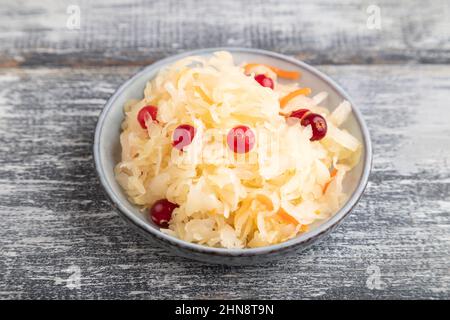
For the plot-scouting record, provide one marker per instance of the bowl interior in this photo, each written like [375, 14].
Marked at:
[107, 144]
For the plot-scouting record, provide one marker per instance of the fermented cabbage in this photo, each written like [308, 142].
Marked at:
[272, 193]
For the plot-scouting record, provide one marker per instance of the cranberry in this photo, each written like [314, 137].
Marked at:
[318, 125]
[183, 136]
[161, 212]
[264, 81]
[300, 113]
[241, 139]
[146, 113]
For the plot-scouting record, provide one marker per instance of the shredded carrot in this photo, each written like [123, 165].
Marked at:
[286, 217]
[293, 75]
[333, 172]
[250, 66]
[203, 95]
[325, 187]
[332, 175]
[265, 201]
[302, 91]
[280, 72]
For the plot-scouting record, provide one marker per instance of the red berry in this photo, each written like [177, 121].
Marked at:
[241, 139]
[264, 81]
[146, 113]
[318, 125]
[300, 113]
[183, 136]
[161, 212]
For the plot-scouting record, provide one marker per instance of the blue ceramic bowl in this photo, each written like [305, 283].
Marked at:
[107, 155]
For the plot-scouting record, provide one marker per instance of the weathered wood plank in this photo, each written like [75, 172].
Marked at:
[136, 32]
[54, 215]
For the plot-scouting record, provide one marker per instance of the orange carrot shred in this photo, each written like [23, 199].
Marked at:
[286, 217]
[302, 91]
[293, 75]
[203, 95]
[332, 175]
[250, 66]
[333, 172]
[325, 187]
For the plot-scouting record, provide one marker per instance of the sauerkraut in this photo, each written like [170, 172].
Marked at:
[270, 194]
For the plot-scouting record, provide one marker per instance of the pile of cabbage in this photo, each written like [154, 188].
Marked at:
[269, 195]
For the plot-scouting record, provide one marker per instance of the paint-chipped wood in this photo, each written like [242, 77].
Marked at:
[136, 32]
[57, 224]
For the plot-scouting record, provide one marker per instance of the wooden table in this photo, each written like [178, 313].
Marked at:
[60, 238]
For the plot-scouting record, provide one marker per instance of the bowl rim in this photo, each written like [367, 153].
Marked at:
[302, 238]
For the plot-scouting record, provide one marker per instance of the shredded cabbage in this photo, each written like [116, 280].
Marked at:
[269, 195]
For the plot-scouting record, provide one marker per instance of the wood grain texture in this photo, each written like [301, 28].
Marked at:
[137, 32]
[54, 215]
[56, 221]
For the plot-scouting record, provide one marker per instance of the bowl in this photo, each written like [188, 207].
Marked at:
[107, 154]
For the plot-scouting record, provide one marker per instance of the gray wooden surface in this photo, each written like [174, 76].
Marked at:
[59, 237]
